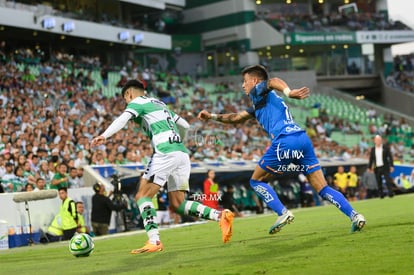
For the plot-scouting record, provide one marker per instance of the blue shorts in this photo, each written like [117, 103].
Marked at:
[290, 153]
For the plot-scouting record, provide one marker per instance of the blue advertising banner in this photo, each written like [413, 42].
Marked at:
[107, 171]
[403, 176]
[240, 172]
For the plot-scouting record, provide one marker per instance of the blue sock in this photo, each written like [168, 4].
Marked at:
[337, 199]
[268, 195]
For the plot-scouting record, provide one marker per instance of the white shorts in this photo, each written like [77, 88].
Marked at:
[173, 168]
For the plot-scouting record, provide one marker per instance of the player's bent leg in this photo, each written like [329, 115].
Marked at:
[269, 196]
[317, 180]
[265, 192]
[193, 208]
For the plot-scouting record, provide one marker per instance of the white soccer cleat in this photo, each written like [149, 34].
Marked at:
[358, 222]
[281, 221]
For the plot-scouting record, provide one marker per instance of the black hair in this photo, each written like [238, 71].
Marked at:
[96, 187]
[27, 184]
[133, 83]
[258, 70]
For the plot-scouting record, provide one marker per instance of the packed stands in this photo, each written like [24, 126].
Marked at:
[297, 18]
[66, 105]
[402, 77]
[139, 17]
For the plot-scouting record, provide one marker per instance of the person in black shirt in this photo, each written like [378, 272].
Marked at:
[102, 208]
[382, 163]
[228, 202]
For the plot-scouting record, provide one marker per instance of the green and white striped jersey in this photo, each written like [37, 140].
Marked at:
[158, 122]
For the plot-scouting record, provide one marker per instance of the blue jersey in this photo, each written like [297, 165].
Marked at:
[271, 112]
[290, 144]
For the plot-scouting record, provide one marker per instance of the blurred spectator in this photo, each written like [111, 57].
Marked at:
[102, 208]
[104, 75]
[28, 174]
[45, 173]
[54, 231]
[352, 183]
[228, 202]
[73, 179]
[80, 160]
[79, 173]
[353, 68]
[363, 145]
[369, 183]
[405, 185]
[60, 179]
[371, 113]
[82, 228]
[210, 190]
[29, 187]
[390, 80]
[307, 191]
[340, 180]
[40, 184]
[19, 181]
[8, 178]
[68, 214]
[122, 81]
[382, 162]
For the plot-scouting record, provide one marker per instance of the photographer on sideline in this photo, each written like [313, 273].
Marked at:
[102, 208]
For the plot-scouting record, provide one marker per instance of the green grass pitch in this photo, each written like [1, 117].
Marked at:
[318, 242]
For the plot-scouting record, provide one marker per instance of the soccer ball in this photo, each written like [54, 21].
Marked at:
[81, 245]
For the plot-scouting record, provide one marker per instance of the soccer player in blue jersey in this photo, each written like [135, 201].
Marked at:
[290, 145]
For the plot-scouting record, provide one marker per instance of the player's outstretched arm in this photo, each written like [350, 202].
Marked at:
[300, 93]
[232, 118]
[115, 126]
[280, 85]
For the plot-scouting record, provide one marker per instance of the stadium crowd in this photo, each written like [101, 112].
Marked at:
[103, 14]
[335, 21]
[402, 77]
[49, 118]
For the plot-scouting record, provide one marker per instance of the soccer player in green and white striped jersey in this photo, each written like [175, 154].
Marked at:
[169, 164]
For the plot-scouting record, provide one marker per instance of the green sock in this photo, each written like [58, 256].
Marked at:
[197, 209]
[149, 217]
